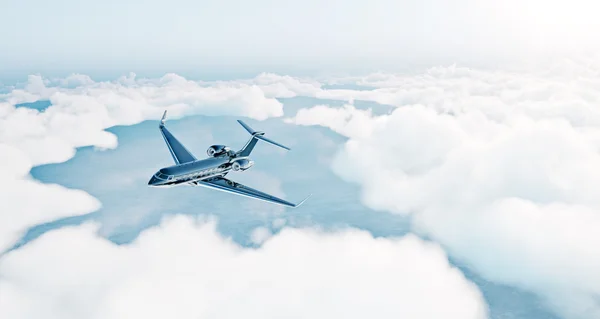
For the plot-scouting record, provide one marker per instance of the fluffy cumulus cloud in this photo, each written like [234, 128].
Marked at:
[346, 120]
[501, 168]
[184, 268]
[26, 201]
[81, 110]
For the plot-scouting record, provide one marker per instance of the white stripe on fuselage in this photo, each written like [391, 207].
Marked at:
[200, 175]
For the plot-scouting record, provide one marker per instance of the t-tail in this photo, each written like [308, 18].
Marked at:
[247, 149]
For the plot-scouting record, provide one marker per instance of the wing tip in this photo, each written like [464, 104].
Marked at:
[162, 120]
[302, 201]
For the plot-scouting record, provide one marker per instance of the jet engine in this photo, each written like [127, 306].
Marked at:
[242, 165]
[217, 150]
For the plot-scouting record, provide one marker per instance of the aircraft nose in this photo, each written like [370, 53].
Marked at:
[153, 181]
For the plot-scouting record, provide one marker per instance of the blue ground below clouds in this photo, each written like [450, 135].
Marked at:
[118, 178]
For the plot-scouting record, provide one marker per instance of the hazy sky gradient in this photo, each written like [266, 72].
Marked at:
[111, 36]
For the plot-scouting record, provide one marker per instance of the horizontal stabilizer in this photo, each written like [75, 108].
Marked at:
[256, 136]
[260, 137]
[248, 128]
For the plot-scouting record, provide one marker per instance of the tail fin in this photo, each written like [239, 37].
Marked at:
[247, 149]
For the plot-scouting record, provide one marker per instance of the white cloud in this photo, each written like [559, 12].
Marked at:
[278, 223]
[283, 86]
[79, 115]
[81, 110]
[500, 168]
[185, 269]
[347, 120]
[26, 202]
[259, 235]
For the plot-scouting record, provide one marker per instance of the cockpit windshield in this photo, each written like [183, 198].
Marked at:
[162, 176]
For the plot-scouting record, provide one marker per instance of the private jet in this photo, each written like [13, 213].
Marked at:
[210, 172]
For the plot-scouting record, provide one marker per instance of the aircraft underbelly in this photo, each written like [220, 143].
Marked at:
[192, 181]
[210, 172]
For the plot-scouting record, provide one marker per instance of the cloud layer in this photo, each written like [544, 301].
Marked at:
[498, 167]
[184, 268]
[81, 110]
[501, 168]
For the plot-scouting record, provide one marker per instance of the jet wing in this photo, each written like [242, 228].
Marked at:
[226, 185]
[178, 151]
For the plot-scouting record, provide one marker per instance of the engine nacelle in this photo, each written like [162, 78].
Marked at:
[217, 150]
[242, 164]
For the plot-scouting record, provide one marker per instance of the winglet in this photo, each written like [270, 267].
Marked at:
[162, 120]
[302, 201]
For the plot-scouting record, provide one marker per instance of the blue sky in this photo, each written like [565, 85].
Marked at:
[213, 39]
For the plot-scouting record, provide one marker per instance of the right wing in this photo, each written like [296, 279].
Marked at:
[178, 151]
[226, 185]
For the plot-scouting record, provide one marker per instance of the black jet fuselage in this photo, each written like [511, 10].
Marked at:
[198, 170]
[210, 172]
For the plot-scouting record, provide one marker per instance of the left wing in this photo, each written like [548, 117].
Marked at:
[178, 151]
[226, 185]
